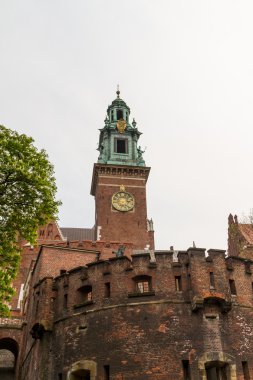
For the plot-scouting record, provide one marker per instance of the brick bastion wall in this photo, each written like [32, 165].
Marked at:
[160, 317]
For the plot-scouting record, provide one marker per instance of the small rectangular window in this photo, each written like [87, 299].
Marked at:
[245, 369]
[106, 372]
[211, 316]
[37, 307]
[189, 282]
[178, 283]
[119, 114]
[121, 146]
[186, 369]
[59, 376]
[211, 276]
[232, 287]
[107, 290]
[85, 294]
[65, 301]
[21, 296]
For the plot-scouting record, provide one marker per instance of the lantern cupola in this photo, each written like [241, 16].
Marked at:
[118, 140]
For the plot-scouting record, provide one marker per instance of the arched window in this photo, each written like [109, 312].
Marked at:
[119, 114]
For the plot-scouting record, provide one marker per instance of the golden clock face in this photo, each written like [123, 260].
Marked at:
[123, 201]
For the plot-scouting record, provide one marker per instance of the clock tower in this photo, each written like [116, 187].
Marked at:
[119, 182]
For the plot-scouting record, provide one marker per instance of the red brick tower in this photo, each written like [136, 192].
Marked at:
[119, 182]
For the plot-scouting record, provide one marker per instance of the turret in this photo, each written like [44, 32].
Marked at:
[119, 182]
[118, 140]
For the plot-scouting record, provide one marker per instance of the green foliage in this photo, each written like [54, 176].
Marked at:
[27, 200]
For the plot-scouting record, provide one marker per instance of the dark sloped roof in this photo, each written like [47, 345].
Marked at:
[78, 233]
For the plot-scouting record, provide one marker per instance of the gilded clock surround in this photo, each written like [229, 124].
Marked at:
[122, 200]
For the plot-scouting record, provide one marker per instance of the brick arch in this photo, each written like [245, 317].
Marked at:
[9, 350]
[10, 345]
[221, 357]
[11, 329]
[11, 338]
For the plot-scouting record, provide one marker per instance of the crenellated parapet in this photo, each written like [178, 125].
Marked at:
[192, 277]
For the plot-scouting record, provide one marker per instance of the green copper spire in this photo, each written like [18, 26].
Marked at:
[118, 139]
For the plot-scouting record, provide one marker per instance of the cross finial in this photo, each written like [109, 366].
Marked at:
[118, 91]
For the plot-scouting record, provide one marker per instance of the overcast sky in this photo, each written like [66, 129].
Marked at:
[185, 68]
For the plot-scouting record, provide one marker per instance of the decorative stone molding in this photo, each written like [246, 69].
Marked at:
[89, 365]
[198, 302]
[117, 171]
[221, 357]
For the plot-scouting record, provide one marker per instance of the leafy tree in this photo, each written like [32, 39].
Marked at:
[27, 200]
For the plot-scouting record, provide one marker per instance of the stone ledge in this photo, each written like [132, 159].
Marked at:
[86, 303]
[11, 323]
[144, 294]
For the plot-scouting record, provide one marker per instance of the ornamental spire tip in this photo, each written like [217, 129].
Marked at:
[118, 91]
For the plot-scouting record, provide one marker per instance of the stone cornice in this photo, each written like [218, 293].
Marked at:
[117, 171]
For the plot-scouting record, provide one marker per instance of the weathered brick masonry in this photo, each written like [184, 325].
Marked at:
[145, 335]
